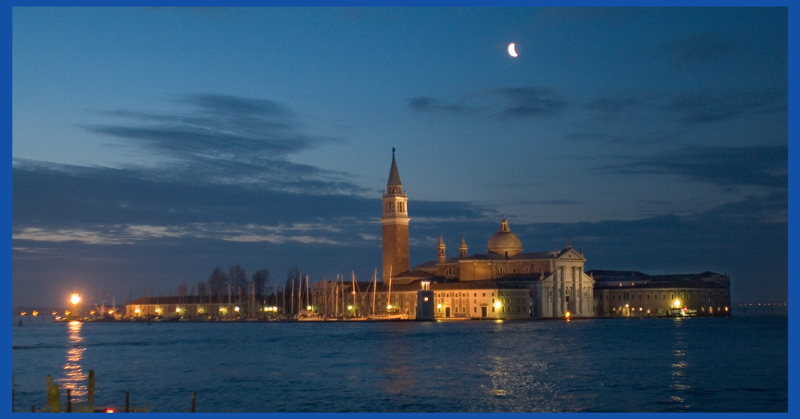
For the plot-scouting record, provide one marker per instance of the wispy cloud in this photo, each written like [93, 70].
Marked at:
[430, 104]
[229, 139]
[702, 47]
[712, 105]
[503, 102]
[765, 166]
[527, 102]
[607, 107]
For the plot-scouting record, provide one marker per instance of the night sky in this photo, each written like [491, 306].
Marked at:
[151, 145]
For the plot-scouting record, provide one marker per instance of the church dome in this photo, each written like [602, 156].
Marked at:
[504, 242]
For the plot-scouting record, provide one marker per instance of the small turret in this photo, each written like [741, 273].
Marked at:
[441, 257]
[462, 248]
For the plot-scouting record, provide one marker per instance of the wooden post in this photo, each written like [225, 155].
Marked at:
[69, 401]
[127, 401]
[90, 391]
[53, 395]
[33, 408]
[194, 400]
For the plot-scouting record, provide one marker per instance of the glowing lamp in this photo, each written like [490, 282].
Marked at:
[389, 306]
[109, 410]
[178, 310]
[75, 299]
[349, 307]
[567, 314]
[498, 304]
[677, 304]
[426, 298]
[308, 308]
[236, 309]
[110, 312]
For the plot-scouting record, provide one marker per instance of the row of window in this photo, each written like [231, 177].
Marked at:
[687, 296]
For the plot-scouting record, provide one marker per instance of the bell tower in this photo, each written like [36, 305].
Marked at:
[394, 223]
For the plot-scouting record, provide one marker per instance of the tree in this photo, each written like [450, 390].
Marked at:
[260, 279]
[201, 290]
[238, 278]
[183, 290]
[217, 282]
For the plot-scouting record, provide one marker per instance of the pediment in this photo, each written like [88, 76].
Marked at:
[570, 254]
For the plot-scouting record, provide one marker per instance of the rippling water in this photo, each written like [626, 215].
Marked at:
[736, 364]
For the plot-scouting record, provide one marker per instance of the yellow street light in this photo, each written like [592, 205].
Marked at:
[349, 307]
[75, 299]
[677, 304]
[236, 309]
[308, 308]
[389, 306]
[498, 304]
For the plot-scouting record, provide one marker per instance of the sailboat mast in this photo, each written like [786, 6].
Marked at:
[389, 298]
[353, 274]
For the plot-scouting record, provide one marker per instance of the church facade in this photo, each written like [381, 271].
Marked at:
[502, 283]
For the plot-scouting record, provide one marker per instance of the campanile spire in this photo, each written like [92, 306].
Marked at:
[394, 223]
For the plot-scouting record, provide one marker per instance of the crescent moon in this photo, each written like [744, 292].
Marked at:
[511, 49]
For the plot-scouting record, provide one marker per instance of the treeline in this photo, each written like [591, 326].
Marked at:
[234, 284]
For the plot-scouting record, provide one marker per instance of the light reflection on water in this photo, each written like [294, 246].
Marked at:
[74, 378]
[679, 383]
[643, 365]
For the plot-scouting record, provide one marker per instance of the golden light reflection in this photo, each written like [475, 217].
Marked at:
[74, 378]
[679, 373]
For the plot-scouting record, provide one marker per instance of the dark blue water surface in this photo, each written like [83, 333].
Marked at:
[736, 364]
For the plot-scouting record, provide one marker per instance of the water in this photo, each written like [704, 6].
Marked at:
[736, 364]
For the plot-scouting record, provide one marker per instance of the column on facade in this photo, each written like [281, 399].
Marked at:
[575, 290]
[580, 284]
[562, 295]
[554, 300]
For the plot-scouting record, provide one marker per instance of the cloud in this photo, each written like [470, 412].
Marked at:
[53, 202]
[505, 102]
[429, 104]
[527, 102]
[608, 107]
[596, 137]
[228, 139]
[700, 48]
[711, 105]
[559, 202]
[764, 166]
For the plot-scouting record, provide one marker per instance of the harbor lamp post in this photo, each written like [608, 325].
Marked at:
[75, 300]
